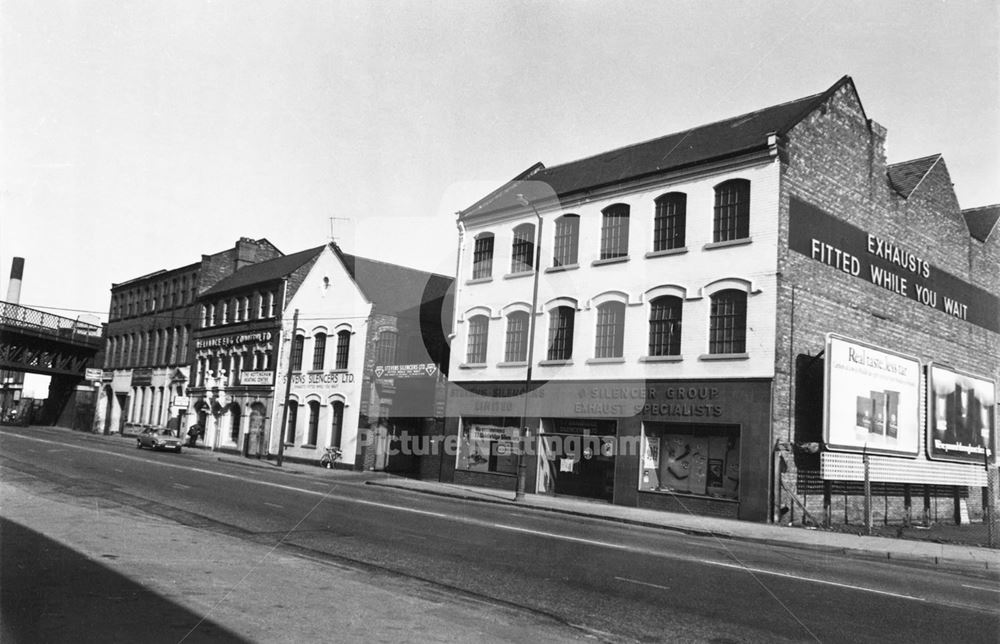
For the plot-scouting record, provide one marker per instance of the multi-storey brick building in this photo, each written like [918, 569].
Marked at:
[149, 333]
[668, 308]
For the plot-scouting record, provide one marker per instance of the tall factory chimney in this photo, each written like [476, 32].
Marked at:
[14, 286]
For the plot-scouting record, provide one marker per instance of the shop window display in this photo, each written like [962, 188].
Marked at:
[487, 445]
[691, 459]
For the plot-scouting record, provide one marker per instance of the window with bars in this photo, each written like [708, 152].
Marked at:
[343, 349]
[732, 211]
[516, 348]
[669, 221]
[561, 333]
[610, 342]
[482, 257]
[479, 330]
[728, 323]
[614, 232]
[567, 241]
[319, 351]
[298, 344]
[387, 347]
[523, 250]
[313, 433]
[665, 326]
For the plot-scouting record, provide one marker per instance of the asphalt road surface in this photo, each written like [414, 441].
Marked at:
[596, 579]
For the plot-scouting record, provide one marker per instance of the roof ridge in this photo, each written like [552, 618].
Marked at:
[929, 156]
[745, 115]
[380, 261]
[994, 205]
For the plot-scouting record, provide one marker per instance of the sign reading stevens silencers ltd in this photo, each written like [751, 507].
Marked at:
[961, 421]
[872, 399]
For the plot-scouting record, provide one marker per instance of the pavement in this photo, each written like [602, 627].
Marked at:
[966, 557]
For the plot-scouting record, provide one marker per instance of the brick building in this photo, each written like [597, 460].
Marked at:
[148, 338]
[676, 311]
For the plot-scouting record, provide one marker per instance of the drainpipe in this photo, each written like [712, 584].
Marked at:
[522, 466]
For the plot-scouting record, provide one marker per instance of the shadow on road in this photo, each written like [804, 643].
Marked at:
[49, 593]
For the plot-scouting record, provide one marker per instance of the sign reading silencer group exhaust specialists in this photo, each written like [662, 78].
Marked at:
[871, 400]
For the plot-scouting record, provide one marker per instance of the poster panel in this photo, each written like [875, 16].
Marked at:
[872, 399]
[961, 423]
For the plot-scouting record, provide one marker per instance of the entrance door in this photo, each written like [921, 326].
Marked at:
[579, 459]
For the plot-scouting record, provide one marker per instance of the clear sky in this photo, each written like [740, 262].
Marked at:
[136, 135]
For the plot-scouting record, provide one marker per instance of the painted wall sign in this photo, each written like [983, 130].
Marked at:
[319, 379]
[406, 370]
[872, 399]
[961, 421]
[142, 377]
[230, 340]
[256, 377]
[882, 262]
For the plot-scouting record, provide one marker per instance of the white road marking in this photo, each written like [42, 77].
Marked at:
[181, 486]
[275, 505]
[482, 523]
[774, 573]
[642, 583]
[991, 590]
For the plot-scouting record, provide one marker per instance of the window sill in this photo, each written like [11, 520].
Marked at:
[605, 361]
[610, 260]
[724, 356]
[661, 359]
[667, 252]
[514, 276]
[563, 268]
[478, 280]
[308, 446]
[554, 363]
[506, 365]
[472, 365]
[726, 244]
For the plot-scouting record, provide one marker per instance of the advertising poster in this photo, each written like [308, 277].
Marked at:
[961, 422]
[872, 399]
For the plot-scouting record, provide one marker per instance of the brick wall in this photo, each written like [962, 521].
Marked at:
[834, 160]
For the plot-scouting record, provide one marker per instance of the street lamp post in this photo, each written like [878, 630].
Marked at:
[522, 465]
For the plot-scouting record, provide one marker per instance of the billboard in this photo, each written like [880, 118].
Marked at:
[961, 422]
[871, 399]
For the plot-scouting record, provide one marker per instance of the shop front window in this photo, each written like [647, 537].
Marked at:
[488, 445]
[700, 460]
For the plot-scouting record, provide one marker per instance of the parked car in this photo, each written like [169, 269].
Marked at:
[158, 439]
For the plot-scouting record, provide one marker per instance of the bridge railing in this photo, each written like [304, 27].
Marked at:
[15, 315]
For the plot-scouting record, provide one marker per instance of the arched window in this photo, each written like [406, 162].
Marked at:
[728, 324]
[567, 241]
[610, 337]
[561, 333]
[479, 329]
[293, 417]
[732, 211]
[337, 428]
[482, 257]
[343, 349]
[298, 344]
[523, 250]
[516, 349]
[614, 231]
[234, 423]
[665, 326]
[319, 351]
[670, 221]
[313, 422]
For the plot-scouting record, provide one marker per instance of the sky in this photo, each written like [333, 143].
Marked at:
[136, 135]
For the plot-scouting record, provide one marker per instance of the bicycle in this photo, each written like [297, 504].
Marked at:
[330, 456]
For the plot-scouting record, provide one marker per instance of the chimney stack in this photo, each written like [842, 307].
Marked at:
[14, 286]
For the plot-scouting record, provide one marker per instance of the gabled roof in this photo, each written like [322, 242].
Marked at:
[263, 272]
[392, 288]
[719, 140]
[906, 176]
[982, 221]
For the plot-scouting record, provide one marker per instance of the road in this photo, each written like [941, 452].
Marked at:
[575, 577]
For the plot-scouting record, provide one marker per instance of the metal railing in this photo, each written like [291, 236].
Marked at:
[15, 315]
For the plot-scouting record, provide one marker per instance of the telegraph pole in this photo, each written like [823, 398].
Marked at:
[288, 392]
